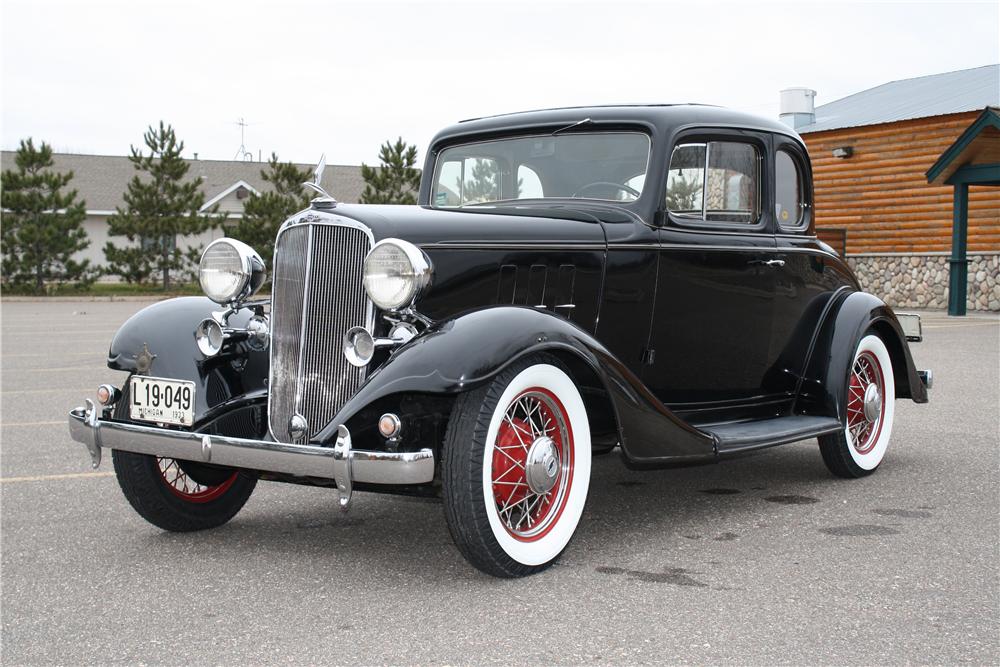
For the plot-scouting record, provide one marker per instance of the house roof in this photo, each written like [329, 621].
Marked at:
[933, 95]
[101, 179]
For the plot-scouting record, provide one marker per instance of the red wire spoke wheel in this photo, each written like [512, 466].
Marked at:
[181, 485]
[532, 464]
[516, 468]
[859, 448]
[865, 405]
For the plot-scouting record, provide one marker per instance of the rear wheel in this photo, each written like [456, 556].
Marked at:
[178, 495]
[859, 449]
[516, 468]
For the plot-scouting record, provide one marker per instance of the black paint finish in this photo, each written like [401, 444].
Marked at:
[671, 327]
[228, 382]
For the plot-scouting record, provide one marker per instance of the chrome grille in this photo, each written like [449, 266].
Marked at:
[317, 295]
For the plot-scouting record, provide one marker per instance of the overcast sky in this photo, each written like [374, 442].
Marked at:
[340, 78]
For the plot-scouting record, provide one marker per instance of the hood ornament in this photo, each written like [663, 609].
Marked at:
[325, 200]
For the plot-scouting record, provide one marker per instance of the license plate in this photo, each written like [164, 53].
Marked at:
[161, 400]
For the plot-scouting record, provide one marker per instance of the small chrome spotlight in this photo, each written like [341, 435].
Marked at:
[359, 346]
[389, 425]
[209, 337]
[108, 394]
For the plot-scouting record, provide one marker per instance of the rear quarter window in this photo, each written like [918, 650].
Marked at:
[789, 202]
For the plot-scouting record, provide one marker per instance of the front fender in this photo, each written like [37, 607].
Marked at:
[824, 388]
[159, 341]
[465, 352]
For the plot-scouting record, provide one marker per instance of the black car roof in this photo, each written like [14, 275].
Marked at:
[662, 116]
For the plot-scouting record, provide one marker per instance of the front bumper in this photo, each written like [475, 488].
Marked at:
[339, 463]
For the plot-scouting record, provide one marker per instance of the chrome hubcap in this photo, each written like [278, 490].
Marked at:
[873, 402]
[542, 465]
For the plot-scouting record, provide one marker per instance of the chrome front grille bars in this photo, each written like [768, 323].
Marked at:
[317, 296]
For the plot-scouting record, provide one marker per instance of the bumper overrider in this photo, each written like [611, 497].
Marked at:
[340, 463]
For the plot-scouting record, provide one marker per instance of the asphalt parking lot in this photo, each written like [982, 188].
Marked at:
[764, 560]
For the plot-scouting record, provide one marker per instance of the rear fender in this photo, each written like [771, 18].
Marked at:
[824, 388]
[465, 352]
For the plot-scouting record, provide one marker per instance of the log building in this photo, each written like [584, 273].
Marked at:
[872, 153]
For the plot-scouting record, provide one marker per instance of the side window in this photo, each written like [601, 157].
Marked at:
[686, 180]
[469, 181]
[788, 201]
[718, 181]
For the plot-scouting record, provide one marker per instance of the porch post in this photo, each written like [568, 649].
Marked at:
[958, 272]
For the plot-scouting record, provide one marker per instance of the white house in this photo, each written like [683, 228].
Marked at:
[101, 180]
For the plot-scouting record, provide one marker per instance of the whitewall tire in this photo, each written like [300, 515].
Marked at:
[870, 405]
[516, 468]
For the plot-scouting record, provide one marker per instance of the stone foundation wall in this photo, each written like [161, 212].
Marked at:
[921, 281]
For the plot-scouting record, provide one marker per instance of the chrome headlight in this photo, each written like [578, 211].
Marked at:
[395, 274]
[230, 271]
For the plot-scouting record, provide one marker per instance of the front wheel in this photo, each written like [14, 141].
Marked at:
[871, 394]
[181, 496]
[516, 468]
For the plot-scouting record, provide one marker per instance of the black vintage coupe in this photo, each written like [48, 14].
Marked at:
[572, 281]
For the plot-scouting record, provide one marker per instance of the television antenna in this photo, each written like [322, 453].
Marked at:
[243, 153]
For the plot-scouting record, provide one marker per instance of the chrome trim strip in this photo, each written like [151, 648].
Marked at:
[488, 245]
[306, 276]
[353, 465]
[652, 245]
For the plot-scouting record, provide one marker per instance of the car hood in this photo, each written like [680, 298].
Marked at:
[509, 224]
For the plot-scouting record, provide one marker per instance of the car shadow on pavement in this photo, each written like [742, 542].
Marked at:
[391, 536]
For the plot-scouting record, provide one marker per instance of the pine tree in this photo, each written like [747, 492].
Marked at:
[684, 194]
[396, 181]
[484, 186]
[42, 225]
[264, 213]
[158, 209]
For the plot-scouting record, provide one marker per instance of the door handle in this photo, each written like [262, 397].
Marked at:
[768, 262]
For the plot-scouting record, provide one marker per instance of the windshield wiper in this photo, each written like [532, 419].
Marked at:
[578, 123]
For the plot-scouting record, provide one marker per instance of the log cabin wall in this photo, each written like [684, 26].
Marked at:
[880, 194]
[895, 227]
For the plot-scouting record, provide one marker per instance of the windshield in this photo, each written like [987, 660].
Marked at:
[605, 166]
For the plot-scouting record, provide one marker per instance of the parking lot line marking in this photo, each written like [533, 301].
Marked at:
[46, 391]
[32, 423]
[49, 354]
[51, 370]
[35, 327]
[51, 478]
[961, 324]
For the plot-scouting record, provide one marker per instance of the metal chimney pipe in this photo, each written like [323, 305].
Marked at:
[797, 107]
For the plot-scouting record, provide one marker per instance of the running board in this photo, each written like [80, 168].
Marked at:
[738, 437]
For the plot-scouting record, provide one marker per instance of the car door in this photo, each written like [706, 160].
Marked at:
[807, 277]
[711, 331]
